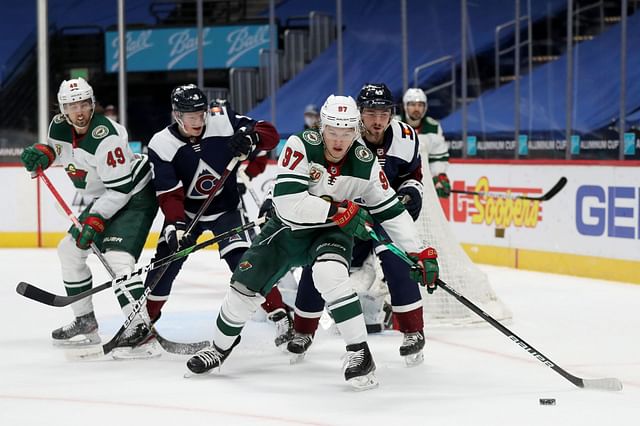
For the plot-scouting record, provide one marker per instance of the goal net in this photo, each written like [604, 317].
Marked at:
[456, 268]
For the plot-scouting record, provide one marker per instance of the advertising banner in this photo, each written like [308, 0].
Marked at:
[177, 48]
[596, 214]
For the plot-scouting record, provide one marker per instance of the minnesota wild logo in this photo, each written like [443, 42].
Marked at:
[311, 137]
[77, 176]
[100, 132]
[245, 265]
[362, 153]
[59, 118]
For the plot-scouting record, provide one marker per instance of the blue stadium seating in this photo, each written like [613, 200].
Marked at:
[596, 92]
[18, 22]
[372, 46]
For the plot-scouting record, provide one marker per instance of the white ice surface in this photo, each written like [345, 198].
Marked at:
[470, 376]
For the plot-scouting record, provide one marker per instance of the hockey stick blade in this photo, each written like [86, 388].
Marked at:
[608, 384]
[94, 352]
[550, 193]
[544, 197]
[180, 348]
[32, 292]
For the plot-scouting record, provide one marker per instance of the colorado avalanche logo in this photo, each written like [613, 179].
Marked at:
[204, 180]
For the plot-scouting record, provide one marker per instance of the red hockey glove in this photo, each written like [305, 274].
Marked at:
[353, 219]
[442, 184]
[426, 269]
[37, 155]
[93, 226]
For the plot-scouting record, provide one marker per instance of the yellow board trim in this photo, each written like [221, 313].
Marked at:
[557, 263]
[51, 240]
[535, 260]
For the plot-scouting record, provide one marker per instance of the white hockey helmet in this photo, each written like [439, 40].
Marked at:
[341, 112]
[74, 90]
[414, 95]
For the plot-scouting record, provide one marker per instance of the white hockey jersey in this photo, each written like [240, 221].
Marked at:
[100, 163]
[307, 183]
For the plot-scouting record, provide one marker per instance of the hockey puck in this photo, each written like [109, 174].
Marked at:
[547, 401]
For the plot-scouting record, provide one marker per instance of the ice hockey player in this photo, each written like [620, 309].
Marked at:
[395, 145]
[95, 153]
[188, 157]
[320, 174]
[432, 143]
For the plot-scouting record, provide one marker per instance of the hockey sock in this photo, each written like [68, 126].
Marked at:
[123, 263]
[409, 321]
[237, 307]
[304, 323]
[274, 301]
[347, 314]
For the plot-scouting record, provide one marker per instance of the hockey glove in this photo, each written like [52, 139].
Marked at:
[92, 227]
[242, 144]
[410, 194]
[174, 235]
[426, 269]
[266, 209]
[37, 155]
[442, 184]
[242, 188]
[353, 219]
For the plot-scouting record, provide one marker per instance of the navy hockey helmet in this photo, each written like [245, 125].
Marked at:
[188, 98]
[375, 95]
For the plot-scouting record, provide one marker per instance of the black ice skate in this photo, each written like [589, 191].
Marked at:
[298, 346]
[411, 348]
[138, 341]
[209, 358]
[284, 326]
[82, 331]
[359, 367]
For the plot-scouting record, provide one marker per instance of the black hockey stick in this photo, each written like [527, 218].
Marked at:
[137, 306]
[39, 295]
[609, 384]
[167, 345]
[544, 197]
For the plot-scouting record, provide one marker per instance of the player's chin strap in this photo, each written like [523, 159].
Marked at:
[610, 384]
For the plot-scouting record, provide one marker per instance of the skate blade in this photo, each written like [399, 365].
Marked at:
[78, 341]
[414, 359]
[191, 375]
[296, 358]
[364, 383]
[145, 351]
[84, 353]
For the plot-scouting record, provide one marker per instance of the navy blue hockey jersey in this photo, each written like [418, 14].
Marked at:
[185, 170]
